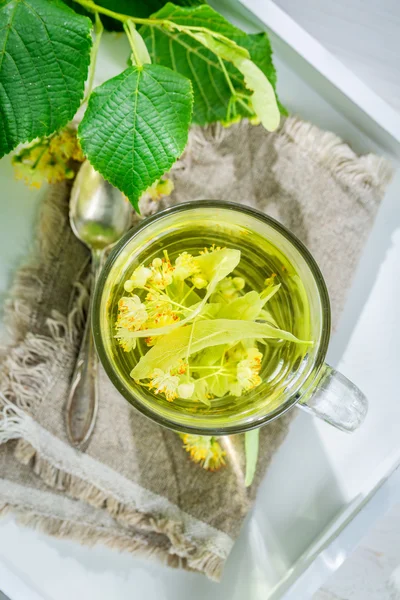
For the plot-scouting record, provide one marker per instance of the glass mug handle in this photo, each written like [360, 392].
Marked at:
[336, 400]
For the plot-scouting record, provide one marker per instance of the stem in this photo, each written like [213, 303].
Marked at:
[187, 294]
[128, 27]
[221, 372]
[98, 31]
[251, 112]
[227, 77]
[34, 166]
[168, 299]
[194, 368]
[188, 28]
[94, 8]
[188, 350]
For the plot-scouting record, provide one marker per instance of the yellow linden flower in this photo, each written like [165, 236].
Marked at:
[228, 289]
[248, 369]
[157, 304]
[66, 144]
[163, 319]
[204, 450]
[185, 266]
[270, 280]
[48, 159]
[159, 189]
[199, 282]
[132, 313]
[160, 320]
[238, 283]
[126, 339]
[138, 279]
[165, 383]
[35, 165]
[161, 273]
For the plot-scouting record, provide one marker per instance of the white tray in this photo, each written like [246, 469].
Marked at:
[324, 488]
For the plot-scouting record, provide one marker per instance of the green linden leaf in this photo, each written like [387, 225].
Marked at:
[263, 98]
[44, 60]
[246, 308]
[218, 385]
[217, 265]
[189, 56]
[201, 392]
[269, 292]
[210, 356]
[251, 439]
[141, 49]
[266, 315]
[202, 334]
[226, 48]
[136, 126]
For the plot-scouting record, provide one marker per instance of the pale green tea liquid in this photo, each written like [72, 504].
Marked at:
[283, 361]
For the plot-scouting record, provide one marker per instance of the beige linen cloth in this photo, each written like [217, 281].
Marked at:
[135, 487]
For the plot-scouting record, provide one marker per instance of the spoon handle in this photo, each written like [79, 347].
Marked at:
[83, 401]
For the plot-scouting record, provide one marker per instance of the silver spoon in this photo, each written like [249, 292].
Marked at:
[99, 215]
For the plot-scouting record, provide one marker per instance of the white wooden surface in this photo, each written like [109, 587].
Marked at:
[364, 34]
[373, 570]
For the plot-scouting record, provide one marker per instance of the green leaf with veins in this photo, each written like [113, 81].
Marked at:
[217, 265]
[201, 392]
[269, 293]
[44, 60]
[246, 308]
[141, 55]
[262, 100]
[136, 126]
[183, 53]
[249, 306]
[202, 334]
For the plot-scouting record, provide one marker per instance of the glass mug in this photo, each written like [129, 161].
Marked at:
[311, 384]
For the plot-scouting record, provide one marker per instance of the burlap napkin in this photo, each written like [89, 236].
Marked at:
[135, 487]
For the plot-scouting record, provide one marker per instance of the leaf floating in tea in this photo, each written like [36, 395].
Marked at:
[269, 292]
[246, 308]
[201, 327]
[217, 264]
[202, 334]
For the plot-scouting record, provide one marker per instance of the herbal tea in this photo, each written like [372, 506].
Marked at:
[208, 320]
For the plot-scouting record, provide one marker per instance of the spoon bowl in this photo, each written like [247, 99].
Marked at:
[99, 213]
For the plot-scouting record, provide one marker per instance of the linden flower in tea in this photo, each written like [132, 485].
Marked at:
[202, 332]
[206, 315]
